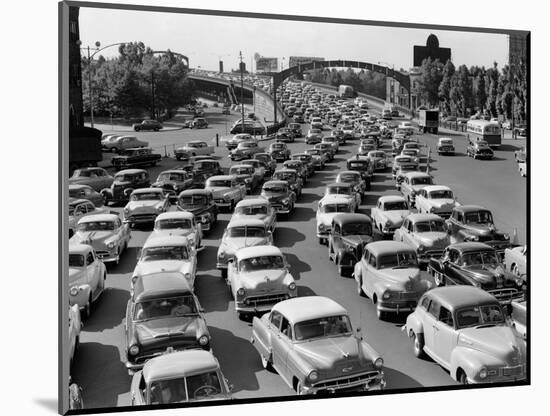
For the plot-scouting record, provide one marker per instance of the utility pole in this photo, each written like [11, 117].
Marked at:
[242, 88]
[90, 88]
[153, 92]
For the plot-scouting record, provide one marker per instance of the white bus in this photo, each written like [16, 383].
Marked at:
[488, 131]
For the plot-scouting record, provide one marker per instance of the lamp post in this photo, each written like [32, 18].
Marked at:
[242, 88]
[90, 58]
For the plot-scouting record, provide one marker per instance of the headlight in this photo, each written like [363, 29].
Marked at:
[74, 291]
[221, 255]
[413, 193]
[187, 276]
[292, 286]
[111, 244]
[322, 227]
[379, 362]
[205, 218]
[133, 350]
[285, 201]
[483, 373]
[421, 249]
[506, 236]
[432, 209]
[241, 292]
[160, 209]
[386, 295]
[313, 376]
[248, 180]
[472, 238]
[126, 211]
[203, 341]
[226, 197]
[388, 223]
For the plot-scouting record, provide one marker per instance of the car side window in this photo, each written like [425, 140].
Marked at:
[372, 260]
[336, 229]
[425, 303]
[446, 316]
[434, 309]
[285, 328]
[410, 226]
[453, 256]
[89, 258]
[275, 319]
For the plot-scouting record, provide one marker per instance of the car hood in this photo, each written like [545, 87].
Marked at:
[442, 203]
[218, 191]
[195, 209]
[326, 218]
[263, 217]
[483, 273]
[274, 197]
[400, 277]
[498, 341]
[480, 229]
[75, 274]
[180, 232]
[148, 267]
[231, 245]
[433, 239]
[264, 279]
[356, 240]
[332, 354]
[143, 205]
[87, 237]
[157, 330]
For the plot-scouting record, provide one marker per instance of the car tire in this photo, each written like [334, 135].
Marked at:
[224, 274]
[462, 377]
[417, 342]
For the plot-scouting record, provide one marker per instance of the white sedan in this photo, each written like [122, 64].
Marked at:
[197, 147]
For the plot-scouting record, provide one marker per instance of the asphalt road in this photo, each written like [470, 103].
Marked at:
[99, 366]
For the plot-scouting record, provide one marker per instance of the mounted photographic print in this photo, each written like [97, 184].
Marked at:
[288, 206]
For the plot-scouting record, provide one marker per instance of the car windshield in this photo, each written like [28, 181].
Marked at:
[479, 217]
[429, 226]
[174, 223]
[294, 165]
[378, 154]
[315, 131]
[275, 189]
[358, 164]
[220, 182]
[446, 142]
[486, 315]
[489, 258]
[124, 178]
[358, 228]
[409, 152]
[76, 260]
[261, 263]
[176, 177]
[328, 208]
[97, 226]
[313, 152]
[147, 196]
[193, 200]
[278, 146]
[252, 210]
[242, 171]
[403, 160]
[339, 190]
[165, 307]
[395, 206]
[165, 253]
[82, 174]
[195, 144]
[421, 181]
[247, 231]
[199, 386]
[329, 326]
[284, 176]
[443, 194]
[348, 177]
[397, 260]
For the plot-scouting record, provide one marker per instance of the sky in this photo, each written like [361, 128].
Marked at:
[207, 39]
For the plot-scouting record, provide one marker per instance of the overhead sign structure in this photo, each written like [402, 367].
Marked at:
[295, 60]
[264, 64]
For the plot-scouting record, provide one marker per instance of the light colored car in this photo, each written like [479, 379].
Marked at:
[80, 208]
[389, 213]
[412, 153]
[96, 178]
[75, 325]
[106, 233]
[259, 167]
[86, 192]
[247, 175]
[241, 232]
[179, 377]
[167, 254]
[259, 277]
[245, 150]
[328, 207]
[345, 189]
[236, 139]
[226, 190]
[522, 168]
[463, 329]
[258, 208]
[145, 205]
[378, 158]
[179, 223]
[518, 318]
[124, 142]
[515, 260]
[412, 183]
[353, 177]
[388, 273]
[426, 234]
[310, 342]
[436, 199]
[445, 146]
[197, 147]
[333, 140]
[314, 136]
[87, 276]
[402, 160]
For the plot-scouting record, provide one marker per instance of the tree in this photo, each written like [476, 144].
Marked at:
[445, 85]
[431, 74]
[480, 91]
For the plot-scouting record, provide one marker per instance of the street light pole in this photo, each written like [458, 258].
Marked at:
[242, 88]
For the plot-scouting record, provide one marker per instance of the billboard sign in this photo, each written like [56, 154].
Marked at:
[264, 64]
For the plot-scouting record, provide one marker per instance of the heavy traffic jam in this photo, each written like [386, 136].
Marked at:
[453, 284]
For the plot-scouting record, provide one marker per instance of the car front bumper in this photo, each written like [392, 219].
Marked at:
[262, 303]
[371, 382]
[108, 255]
[397, 306]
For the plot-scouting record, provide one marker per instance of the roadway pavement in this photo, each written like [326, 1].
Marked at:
[99, 364]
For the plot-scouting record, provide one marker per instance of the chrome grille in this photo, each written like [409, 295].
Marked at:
[265, 300]
[407, 295]
[344, 382]
[506, 295]
[517, 370]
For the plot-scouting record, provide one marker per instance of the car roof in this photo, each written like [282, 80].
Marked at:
[423, 217]
[252, 201]
[285, 170]
[241, 165]
[79, 248]
[77, 201]
[171, 240]
[276, 183]
[159, 285]
[431, 188]
[179, 363]
[265, 250]
[175, 215]
[391, 198]
[471, 246]
[148, 190]
[172, 171]
[222, 177]
[417, 174]
[195, 141]
[461, 296]
[98, 217]
[304, 308]
[244, 221]
[334, 199]
[195, 192]
[388, 247]
[347, 218]
[470, 208]
[79, 186]
[130, 171]
[339, 184]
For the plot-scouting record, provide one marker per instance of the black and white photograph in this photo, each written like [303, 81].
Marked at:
[279, 208]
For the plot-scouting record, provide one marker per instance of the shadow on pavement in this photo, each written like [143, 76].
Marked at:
[213, 292]
[287, 237]
[305, 291]
[307, 198]
[126, 264]
[100, 372]
[206, 258]
[218, 230]
[301, 214]
[238, 357]
[108, 311]
[397, 378]
[296, 265]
